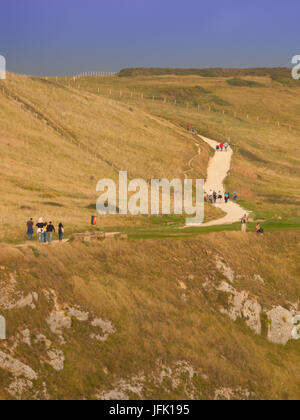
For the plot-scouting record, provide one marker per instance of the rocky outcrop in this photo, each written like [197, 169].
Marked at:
[229, 394]
[60, 319]
[241, 305]
[280, 325]
[16, 368]
[164, 377]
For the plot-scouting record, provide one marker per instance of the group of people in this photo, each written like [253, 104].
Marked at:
[212, 196]
[45, 231]
[244, 222]
[222, 146]
[191, 129]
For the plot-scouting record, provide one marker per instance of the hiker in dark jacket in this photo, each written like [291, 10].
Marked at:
[50, 230]
[215, 196]
[61, 232]
[30, 225]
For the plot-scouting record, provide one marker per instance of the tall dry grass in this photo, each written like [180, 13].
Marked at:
[137, 285]
[267, 156]
[56, 143]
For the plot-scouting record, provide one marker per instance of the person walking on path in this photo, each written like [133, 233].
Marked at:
[215, 196]
[220, 196]
[61, 232]
[244, 223]
[235, 196]
[40, 229]
[50, 231]
[30, 225]
[226, 145]
[221, 147]
[226, 196]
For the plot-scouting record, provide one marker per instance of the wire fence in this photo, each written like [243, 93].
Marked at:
[78, 82]
[188, 105]
[201, 108]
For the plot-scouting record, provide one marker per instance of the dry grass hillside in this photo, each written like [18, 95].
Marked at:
[56, 143]
[256, 110]
[200, 318]
[160, 312]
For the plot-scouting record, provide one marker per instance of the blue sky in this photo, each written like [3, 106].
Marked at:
[49, 37]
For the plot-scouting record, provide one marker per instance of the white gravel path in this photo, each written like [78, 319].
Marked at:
[218, 169]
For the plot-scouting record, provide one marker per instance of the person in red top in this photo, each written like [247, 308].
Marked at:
[221, 147]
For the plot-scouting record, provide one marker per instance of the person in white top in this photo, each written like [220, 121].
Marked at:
[244, 221]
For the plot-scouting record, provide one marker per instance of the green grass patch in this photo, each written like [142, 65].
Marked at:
[243, 83]
[35, 251]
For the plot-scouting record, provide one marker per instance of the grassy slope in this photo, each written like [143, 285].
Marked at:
[265, 170]
[280, 74]
[57, 143]
[136, 284]
[138, 289]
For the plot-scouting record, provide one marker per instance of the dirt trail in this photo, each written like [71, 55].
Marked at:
[217, 171]
[32, 243]
[192, 159]
[64, 241]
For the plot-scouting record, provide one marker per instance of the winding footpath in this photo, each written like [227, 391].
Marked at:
[218, 169]
[192, 159]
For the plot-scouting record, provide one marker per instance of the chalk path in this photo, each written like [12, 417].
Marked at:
[217, 171]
